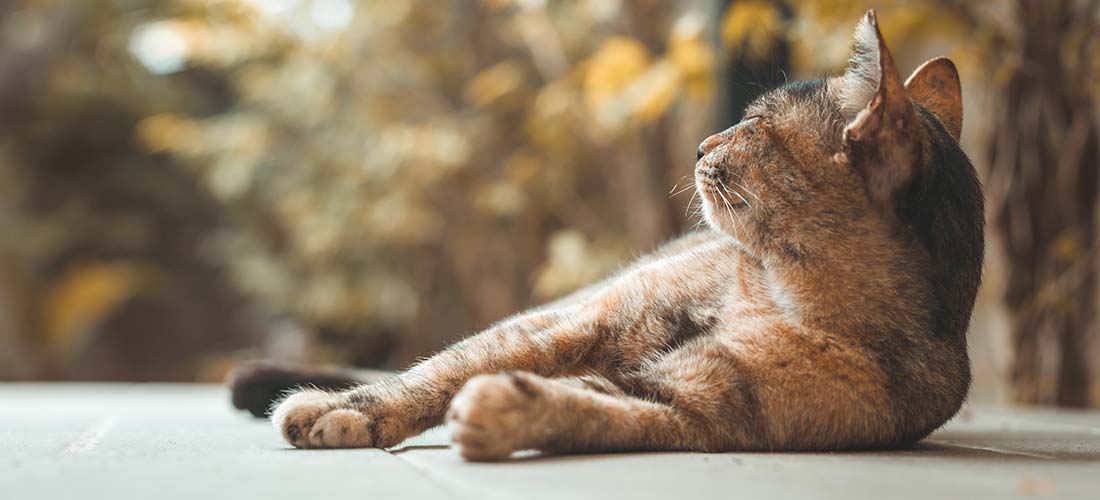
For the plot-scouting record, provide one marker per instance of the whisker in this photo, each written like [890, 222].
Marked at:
[743, 200]
[729, 208]
[728, 190]
[726, 202]
[675, 192]
[688, 209]
[742, 186]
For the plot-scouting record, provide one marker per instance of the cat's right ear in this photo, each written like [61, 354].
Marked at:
[882, 121]
[861, 80]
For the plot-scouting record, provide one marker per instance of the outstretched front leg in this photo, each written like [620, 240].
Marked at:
[384, 413]
[641, 311]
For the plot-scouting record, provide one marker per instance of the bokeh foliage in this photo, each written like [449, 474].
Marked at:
[187, 181]
[352, 173]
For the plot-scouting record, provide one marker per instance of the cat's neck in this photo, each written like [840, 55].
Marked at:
[848, 283]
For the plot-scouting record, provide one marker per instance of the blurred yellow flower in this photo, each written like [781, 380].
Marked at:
[80, 300]
[652, 94]
[494, 82]
[752, 24]
[689, 50]
[619, 62]
[168, 133]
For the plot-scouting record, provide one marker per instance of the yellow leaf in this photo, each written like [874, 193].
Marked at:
[168, 133]
[557, 117]
[754, 23]
[692, 56]
[503, 199]
[654, 92]
[80, 300]
[494, 82]
[1067, 248]
[497, 4]
[614, 66]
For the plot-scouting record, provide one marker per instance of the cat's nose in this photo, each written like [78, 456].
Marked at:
[707, 146]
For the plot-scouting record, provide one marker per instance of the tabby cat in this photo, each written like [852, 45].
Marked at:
[826, 307]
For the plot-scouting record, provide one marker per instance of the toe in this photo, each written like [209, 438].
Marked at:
[488, 417]
[342, 429]
[295, 417]
[476, 444]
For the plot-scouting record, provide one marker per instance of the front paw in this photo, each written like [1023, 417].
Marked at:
[316, 419]
[493, 414]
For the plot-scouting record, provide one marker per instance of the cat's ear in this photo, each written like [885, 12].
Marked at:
[860, 81]
[935, 85]
[882, 136]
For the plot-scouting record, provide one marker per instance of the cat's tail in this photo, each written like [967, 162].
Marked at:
[255, 385]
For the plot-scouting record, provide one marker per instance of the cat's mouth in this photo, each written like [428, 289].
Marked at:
[721, 195]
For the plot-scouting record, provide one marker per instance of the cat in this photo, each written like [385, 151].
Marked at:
[825, 308]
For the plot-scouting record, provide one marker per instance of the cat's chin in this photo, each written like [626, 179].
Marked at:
[721, 222]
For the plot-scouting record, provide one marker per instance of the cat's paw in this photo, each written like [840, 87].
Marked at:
[314, 419]
[490, 417]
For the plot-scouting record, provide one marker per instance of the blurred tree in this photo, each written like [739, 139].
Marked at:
[102, 275]
[507, 153]
[756, 36]
[357, 177]
[1042, 189]
[360, 171]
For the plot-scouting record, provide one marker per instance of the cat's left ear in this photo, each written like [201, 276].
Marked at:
[935, 85]
[883, 132]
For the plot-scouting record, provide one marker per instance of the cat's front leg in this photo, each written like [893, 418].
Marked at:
[618, 323]
[363, 417]
[384, 413]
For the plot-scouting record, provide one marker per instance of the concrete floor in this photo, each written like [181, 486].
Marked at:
[182, 441]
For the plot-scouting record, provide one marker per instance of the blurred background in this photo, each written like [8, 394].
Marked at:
[186, 184]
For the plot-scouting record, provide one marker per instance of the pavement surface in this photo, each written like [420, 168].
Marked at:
[157, 441]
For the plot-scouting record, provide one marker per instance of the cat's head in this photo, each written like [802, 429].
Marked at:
[863, 153]
[810, 157]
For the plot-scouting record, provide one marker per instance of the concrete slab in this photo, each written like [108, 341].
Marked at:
[172, 441]
[168, 442]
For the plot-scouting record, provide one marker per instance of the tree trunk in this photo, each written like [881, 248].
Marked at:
[1042, 188]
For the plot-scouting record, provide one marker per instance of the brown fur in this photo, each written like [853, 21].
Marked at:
[826, 309]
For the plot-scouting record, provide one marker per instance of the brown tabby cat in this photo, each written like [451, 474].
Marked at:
[826, 309]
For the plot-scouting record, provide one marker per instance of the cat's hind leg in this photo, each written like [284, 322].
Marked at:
[783, 389]
[494, 415]
[696, 404]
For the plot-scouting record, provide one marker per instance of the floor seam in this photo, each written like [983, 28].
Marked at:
[437, 479]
